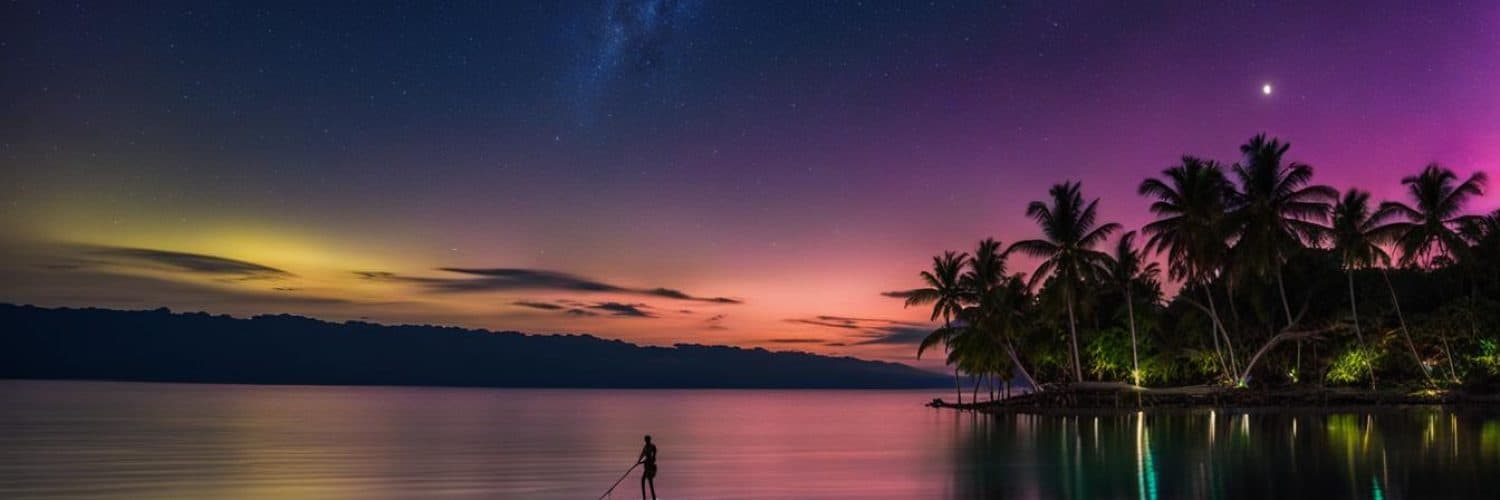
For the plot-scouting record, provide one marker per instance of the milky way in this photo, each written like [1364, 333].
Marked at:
[634, 43]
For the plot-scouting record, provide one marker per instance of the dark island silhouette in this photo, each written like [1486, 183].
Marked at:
[163, 346]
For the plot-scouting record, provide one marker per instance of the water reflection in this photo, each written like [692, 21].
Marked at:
[1399, 453]
[165, 441]
[1145, 469]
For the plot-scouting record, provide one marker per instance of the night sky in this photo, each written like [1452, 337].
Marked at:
[745, 173]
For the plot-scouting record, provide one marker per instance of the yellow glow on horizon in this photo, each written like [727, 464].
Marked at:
[288, 250]
[323, 263]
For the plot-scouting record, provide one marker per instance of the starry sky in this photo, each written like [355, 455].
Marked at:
[743, 173]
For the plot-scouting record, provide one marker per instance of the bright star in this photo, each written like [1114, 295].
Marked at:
[1265, 89]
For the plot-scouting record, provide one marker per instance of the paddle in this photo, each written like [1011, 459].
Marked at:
[617, 481]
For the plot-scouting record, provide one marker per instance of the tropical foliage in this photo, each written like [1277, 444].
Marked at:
[1276, 280]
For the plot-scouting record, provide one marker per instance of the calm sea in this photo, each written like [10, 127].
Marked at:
[171, 441]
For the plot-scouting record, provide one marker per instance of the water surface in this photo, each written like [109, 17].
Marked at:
[171, 441]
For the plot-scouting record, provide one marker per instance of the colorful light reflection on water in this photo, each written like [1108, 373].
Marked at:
[112, 440]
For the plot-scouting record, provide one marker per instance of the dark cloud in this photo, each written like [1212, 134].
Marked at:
[102, 275]
[796, 341]
[870, 331]
[716, 322]
[581, 309]
[679, 295]
[850, 320]
[835, 344]
[829, 324]
[520, 279]
[895, 335]
[509, 279]
[899, 294]
[621, 309]
[850, 323]
[101, 287]
[189, 262]
[546, 306]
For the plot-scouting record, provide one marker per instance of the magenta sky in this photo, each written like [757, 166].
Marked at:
[332, 159]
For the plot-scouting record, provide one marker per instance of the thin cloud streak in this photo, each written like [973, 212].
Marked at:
[186, 262]
[538, 305]
[515, 279]
[869, 331]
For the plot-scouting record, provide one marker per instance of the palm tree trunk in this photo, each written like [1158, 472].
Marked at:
[992, 387]
[1265, 348]
[1448, 356]
[1234, 364]
[1473, 287]
[1354, 307]
[1447, 351]
[1010, 350]
[1287, 308]
[1286, 305]
[1219, 351]
[1234, 310]
[1213, 332]
[1135, 360]
[974, 392]
[1404, 332]
[1354, 311]
[1073, 338]
[957, 388]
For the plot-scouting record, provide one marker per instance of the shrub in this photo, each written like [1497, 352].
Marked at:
[1353, 365]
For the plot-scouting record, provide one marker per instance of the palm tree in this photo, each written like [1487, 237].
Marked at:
[1484, 233]
[1190, 230]
[974, 350]
[1356, 238]
[1276, 212]
[998, 303]
[1434, 227]
[946, 294]
[1125, 269]
[986, 270]
[1072, 231]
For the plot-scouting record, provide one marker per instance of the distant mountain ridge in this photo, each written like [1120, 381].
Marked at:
[159, 345]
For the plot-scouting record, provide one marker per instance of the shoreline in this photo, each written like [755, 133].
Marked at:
[1116, 398]
[6, 379]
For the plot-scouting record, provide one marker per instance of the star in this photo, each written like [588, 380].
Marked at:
[1265, 89]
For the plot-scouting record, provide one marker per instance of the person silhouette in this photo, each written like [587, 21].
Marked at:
[648, 458]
